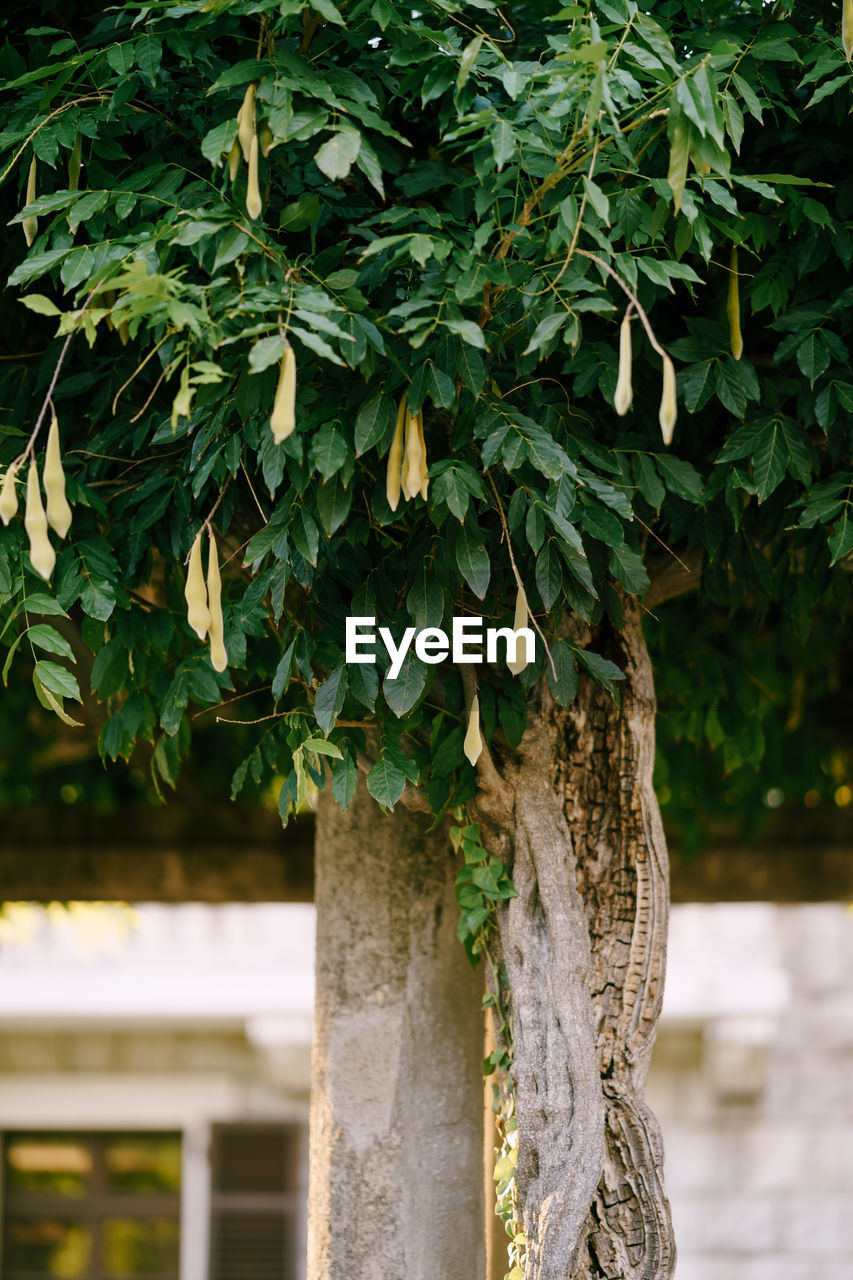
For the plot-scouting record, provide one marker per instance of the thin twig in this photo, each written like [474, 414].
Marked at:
[165, 374]
[626, 289]
[139, 368]
[264, 516]
[30, 448]
[666, 548]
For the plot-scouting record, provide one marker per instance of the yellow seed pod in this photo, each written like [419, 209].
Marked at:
[668, 407]
[424, 463]
[42, 554]
[75, 161]
[246, 121]
[218, 655]
[393, 476]
[283, 416]
[235, 156]
[473, 744]
[847, 28]
[266, 138]
[30, 225]
[254, 204]
[9, 494]
[733, 307]
[195, 592]
[521, 619]
[53, 479]
[412, 466]
[624, 390]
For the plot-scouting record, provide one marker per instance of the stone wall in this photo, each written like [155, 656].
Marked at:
[753, 1082]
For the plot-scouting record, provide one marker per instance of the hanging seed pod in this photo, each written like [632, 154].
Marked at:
[473, 744]
[218, 655]
[847, 28]
[75, 161]
[393, 475]
[424, 463]
[412, 464]
[42, 554]
[246, 121]
[9, 494]
[266, 138]
[254, 204]
[53, 479]
[733, 308]
[624, 390]
[521, 619]
[235, 155]
[195, 592]
[668, 407]
[30, 225]
[283, 416]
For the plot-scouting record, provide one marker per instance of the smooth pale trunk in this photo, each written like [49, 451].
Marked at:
[396, 1180]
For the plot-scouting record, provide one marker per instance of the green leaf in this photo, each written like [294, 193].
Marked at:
[337, 156]
[373, 421]
[549, 574]
[329, 450]
[628, 567]
[322, 748]
[344, 779]
[364, 683]
[386, 782]
[402, 694]
[266, 352]
[563, 685]
[472, 559]
[680, 476]
[329, 11]
[467, 330]
[469, 57]
[602, 670]
[58, 680]
[769, 461]
[50, 639]
[503, 143]
[330, 698]
[40, 304]
[597, 199]
[679, 153]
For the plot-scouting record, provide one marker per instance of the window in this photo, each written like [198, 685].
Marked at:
[256, 1201]
[91, 1206]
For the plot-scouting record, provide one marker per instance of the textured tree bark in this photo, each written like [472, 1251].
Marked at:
[584, 947]
[396, 1176]
[623, 879]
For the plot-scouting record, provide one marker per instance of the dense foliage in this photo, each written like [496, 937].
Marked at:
[447, 191]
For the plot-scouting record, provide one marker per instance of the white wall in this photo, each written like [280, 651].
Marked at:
[753, 1082]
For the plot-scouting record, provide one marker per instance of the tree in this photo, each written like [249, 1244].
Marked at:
[441, 230]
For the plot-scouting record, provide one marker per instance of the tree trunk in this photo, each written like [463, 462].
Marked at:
[396, 1178]
[584, 947]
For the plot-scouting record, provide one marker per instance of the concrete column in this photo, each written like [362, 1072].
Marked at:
[396, 1177]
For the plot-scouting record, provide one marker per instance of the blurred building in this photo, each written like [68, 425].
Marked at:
[154, 1074]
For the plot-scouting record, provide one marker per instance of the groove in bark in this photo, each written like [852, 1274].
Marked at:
[584, 948]
[623, 879]
[543, 936]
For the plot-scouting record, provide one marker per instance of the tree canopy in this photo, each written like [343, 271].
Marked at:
[455, 204]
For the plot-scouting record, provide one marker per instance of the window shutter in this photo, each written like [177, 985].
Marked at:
[255, 1201]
